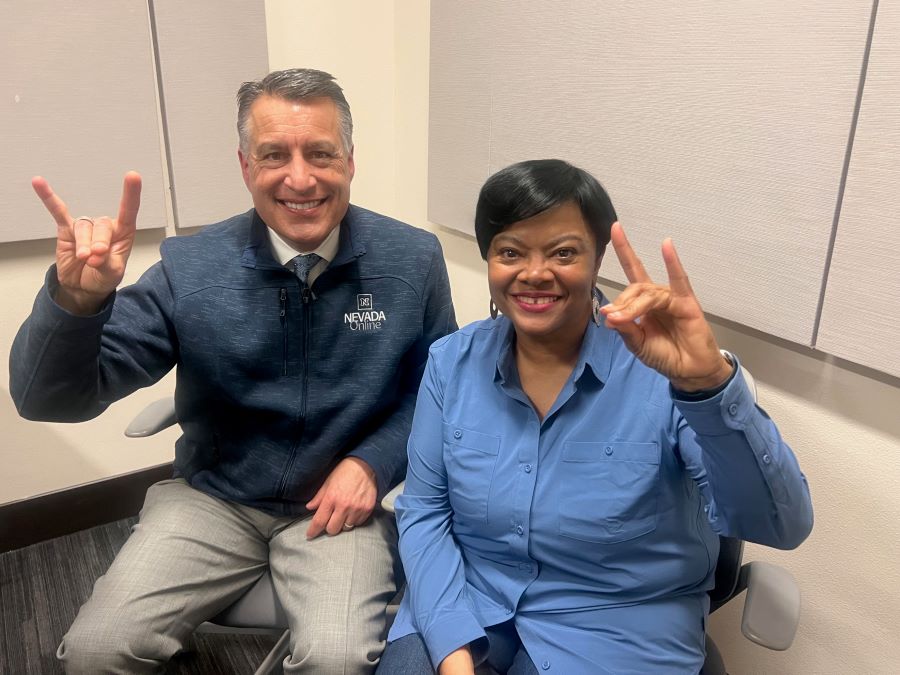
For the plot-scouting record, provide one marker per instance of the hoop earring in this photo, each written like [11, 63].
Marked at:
[596, 299]
[494, 310]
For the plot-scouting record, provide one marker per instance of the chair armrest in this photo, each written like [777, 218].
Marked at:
[772, 606]
[387, 503]
[154, 418]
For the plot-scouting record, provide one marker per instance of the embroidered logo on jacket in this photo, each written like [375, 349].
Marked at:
[366, 317]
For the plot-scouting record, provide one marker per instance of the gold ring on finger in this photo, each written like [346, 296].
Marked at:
[90, 220]
[347, 527]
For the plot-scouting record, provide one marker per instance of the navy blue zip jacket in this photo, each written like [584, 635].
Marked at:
[272, 388]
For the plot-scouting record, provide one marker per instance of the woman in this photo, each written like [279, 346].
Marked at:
[571, 464]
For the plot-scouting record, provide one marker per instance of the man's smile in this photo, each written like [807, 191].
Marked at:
[303, 206]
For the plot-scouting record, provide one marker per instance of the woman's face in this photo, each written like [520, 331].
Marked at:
[541, 272]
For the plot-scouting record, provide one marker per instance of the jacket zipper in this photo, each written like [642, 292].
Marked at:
[284, 332]
[305, 295]
[307, 311]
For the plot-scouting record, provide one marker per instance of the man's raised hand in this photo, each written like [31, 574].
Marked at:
[91, 253]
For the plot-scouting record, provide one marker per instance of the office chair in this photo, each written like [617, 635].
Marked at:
[771, 608]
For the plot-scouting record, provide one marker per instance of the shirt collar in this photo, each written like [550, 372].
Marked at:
[596, 351]
[284, 253]
[507, 373]
[595, 356]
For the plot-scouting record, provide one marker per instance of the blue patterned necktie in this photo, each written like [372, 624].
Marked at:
[303, 264]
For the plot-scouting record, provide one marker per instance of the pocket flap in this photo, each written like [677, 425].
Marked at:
[468, 438]
[618, 451]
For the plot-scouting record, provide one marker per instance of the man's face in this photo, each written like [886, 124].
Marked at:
[296, 168]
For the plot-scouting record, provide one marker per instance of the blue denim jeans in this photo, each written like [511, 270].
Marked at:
[505, 654]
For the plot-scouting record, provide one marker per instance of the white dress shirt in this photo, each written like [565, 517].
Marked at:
[285, 252]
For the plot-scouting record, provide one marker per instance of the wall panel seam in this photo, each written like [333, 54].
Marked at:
[157, 62]
[845, 169]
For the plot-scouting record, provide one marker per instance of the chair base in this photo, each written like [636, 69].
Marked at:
[275, 657]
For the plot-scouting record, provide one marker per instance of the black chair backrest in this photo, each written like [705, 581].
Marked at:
[728, 572]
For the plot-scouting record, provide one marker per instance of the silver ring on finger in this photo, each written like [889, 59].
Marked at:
[347, 527]
[90, 220]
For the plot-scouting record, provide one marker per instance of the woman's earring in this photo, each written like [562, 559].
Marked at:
[596, 299]
[494, 310]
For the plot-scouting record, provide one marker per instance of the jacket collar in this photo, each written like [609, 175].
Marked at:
[351, 245]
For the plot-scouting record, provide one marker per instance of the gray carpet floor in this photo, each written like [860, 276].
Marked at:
[42, 586]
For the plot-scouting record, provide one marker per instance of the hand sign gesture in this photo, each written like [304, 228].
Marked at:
[664, 326]
[91, 253]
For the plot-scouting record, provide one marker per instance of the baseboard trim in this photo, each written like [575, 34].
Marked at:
[54, 514]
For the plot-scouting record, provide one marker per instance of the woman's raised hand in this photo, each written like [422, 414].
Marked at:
[91, 252]
[662, 325]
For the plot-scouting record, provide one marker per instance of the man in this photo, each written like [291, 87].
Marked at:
[296, 382]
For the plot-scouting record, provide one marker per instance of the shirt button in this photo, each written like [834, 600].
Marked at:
[520, 530]
[508, 610]
[545, 665]
[457, 434]
[608, 450]
[766, 459]
[528, 468]
[732, 409]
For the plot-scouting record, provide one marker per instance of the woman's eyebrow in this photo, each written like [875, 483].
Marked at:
[563, 238]
[504, 237]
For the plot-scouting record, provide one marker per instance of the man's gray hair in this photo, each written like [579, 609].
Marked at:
[294, 84]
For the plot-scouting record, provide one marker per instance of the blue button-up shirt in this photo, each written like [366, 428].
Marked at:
[595, 529]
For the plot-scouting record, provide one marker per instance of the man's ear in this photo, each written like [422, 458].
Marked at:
[245, 167]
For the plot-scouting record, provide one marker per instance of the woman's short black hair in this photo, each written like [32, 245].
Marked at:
[524, 190]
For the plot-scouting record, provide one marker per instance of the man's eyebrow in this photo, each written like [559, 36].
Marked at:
[268, 145]
[322, 144]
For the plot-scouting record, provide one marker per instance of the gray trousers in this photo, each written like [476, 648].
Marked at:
[191, 555]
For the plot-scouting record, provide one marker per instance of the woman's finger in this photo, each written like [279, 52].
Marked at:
[678, 278]
[651, 298]
[631, 264]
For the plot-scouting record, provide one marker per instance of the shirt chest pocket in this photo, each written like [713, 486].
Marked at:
[470, 457]
[611, 492]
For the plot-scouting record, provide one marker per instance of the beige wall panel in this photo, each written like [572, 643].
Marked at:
[459, 121]
[206, 50]
[78, 107]
[861, 313]
[726, 130]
